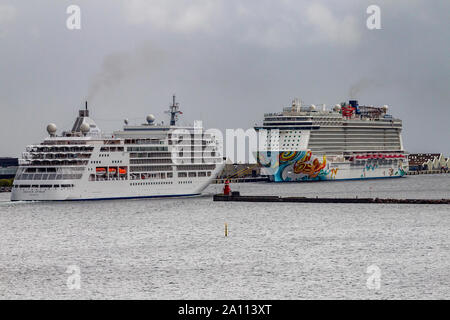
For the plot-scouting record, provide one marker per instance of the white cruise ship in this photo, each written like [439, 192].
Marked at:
[309, 143]
[140, 161]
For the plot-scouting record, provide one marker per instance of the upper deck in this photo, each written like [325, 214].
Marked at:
[298, 117]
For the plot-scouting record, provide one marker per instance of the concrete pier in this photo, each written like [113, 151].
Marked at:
[238, 198]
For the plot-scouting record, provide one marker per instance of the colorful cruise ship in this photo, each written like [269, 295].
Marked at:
[351, 141]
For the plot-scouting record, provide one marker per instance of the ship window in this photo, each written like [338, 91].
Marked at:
[192, 174]
[182, 174]
[209, 173]
[202, 174]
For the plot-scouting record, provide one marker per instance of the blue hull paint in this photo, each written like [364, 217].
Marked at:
[130, 198]
[120, 198]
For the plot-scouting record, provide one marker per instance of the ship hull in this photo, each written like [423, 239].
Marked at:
[114, 189]
[302, 166]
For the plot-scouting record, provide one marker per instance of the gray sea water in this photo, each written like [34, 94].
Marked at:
[176, 248]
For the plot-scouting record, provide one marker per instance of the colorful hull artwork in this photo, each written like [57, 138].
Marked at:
[304, 166]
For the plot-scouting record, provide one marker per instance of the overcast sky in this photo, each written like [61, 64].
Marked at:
[228, 62]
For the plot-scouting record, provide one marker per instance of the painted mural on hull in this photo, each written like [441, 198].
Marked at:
[303, 166]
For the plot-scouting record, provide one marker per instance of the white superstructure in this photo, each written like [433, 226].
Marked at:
[310, 143]
[140, 161]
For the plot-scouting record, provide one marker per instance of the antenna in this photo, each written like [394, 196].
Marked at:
[174, 110]
[86, 106]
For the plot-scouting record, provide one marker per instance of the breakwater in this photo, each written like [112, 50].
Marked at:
[235, 196]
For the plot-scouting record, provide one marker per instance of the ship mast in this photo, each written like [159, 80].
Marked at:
[174, 110]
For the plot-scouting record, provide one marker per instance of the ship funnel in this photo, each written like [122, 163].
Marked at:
[84, 124]
[85, 112]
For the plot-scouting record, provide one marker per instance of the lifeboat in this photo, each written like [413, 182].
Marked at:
[100, 170]
[112, 170]
[122, 171]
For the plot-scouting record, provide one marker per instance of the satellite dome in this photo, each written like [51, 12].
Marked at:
[51, 129]
[150, 119]
[337, 107]
[385, 108]
[313, 107]
[84, 128]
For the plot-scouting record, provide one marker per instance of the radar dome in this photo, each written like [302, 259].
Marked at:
[84, 128]
[313, 107]
[51, 129]
[150, 119]
[385, 108]
[337, 108]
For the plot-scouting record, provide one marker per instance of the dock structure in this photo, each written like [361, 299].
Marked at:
[235, 196]
[240, 180]
[5, 189]
[419, 172]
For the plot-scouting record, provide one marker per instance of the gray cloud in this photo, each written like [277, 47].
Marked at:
[228, 62]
